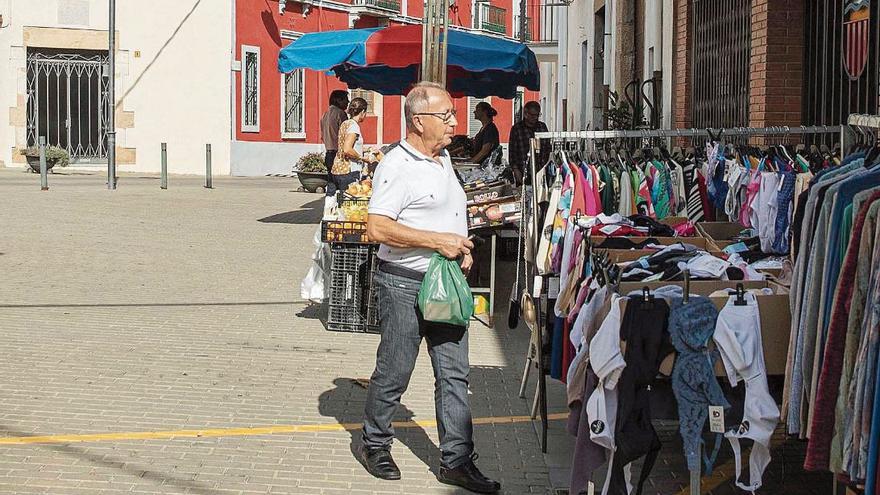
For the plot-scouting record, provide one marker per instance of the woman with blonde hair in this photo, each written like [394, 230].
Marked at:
[350, 161]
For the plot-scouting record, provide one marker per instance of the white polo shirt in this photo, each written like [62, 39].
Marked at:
[420, 193]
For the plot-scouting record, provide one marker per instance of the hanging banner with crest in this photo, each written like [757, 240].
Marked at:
[856, 31]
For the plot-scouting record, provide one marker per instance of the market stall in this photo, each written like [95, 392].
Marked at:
[387, 60]
[612, 273]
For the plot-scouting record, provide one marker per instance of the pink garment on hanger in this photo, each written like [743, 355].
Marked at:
[581, 188]
[597, 196]
[751, 193]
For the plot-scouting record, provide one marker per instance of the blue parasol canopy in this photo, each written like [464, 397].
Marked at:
[387, 60]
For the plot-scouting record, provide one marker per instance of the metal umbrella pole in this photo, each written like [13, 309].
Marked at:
[111, 93]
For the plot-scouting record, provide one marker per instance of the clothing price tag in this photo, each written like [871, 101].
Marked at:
[553, 288]
[538, 285]
[716, 419]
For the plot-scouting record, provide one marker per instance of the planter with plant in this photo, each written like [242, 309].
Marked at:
[54, 156]
[311, 172]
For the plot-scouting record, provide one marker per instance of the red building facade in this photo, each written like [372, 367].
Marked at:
[277, 115]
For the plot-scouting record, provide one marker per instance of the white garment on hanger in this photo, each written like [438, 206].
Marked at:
[606, 359]
[766, 209]
[624, 207]
[542, 261]
[738, 338]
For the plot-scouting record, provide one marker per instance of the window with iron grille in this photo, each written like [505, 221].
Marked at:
[367, 95]
[720, 44]
[250, 89]
[293, 104]
[841, 64]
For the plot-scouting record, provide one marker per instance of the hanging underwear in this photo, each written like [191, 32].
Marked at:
[643, 328]
[738, 337]
[694, 384]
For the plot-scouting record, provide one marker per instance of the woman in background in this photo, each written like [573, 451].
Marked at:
[350, 161]
[487, 139]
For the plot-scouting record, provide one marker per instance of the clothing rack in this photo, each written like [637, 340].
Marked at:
[537, 289]
[693, 132]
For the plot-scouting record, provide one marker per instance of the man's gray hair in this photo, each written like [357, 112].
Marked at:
[417, 100]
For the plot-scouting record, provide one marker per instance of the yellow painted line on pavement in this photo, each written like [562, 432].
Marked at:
[245, 431]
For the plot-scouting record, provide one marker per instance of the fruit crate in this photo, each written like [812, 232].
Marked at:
[345, 232]
[352, 305]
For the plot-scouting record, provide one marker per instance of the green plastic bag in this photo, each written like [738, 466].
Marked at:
[445, 296]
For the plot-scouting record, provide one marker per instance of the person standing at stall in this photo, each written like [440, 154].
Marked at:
[330, 122]
[418, 208]
[487, 139]
[350, 160]
[519, 143]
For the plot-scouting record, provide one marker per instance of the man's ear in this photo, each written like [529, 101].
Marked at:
[417, 123]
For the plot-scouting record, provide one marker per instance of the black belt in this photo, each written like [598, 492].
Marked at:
[400, 271]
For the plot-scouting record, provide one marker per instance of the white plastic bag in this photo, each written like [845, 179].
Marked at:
[312, 287]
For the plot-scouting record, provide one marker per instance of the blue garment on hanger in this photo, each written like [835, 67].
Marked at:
[556, 349]
[784, 201]
[694, 384]
[874, 443]
[721, 185]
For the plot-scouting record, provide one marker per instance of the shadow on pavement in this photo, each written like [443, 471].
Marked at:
[126, 468]
[346, 404]
[310, 213]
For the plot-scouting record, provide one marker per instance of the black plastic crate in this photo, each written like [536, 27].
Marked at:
[343, 231]
[352, 305]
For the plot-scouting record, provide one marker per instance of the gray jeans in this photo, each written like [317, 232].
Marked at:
[402, 332]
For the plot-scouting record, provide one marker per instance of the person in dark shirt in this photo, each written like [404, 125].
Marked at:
[487, 139]
[518, 144]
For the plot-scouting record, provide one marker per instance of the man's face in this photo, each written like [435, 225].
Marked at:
[439, 127]
[343, 103]
[530, 116]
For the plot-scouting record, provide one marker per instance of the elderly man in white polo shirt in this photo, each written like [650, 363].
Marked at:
[418, 208]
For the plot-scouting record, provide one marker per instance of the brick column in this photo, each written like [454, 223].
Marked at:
[681, 70]
[776, 68]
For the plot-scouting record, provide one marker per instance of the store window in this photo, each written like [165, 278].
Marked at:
[293, 104]
[250, 89]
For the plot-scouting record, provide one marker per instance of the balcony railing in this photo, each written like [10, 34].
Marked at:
[491, 18]
[518, 27]
[542, 25]
[390, 5]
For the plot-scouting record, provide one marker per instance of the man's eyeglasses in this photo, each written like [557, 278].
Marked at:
[444, 116]
[533, 114]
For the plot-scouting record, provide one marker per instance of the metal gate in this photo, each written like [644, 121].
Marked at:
[840, 69]
[720, 47]
[67, 102]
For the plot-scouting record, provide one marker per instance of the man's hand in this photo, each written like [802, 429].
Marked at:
[466, 263]
[453, 245]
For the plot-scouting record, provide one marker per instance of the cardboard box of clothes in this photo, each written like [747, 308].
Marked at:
[625, 255]
[720, 233]
[698, 242]
[774, 310]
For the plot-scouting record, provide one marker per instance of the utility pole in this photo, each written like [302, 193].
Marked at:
[434, 41]
[523, 22]
[111, 95]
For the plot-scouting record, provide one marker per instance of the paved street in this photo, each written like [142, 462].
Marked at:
[155, 342]
[143, 310]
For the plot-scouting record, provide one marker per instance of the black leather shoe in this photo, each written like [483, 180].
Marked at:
[379, 463]
[468, 477]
